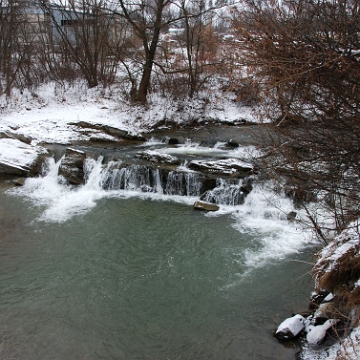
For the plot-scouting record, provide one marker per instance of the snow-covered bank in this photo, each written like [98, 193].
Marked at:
[46, 114]
[338, 270]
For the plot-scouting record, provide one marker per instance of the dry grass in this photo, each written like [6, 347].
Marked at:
[343, 275]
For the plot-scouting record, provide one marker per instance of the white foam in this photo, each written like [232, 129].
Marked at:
[62, 201]
[263, 215]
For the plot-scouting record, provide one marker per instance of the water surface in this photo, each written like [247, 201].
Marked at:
[140, 279]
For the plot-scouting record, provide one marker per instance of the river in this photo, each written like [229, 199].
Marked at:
[92, 274]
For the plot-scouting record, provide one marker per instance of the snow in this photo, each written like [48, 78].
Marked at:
[348, 348]
[17, 153]
[46, 115]
[315, 334]
[346, 241]
[294, 325]
[329, 297]
[329, 257]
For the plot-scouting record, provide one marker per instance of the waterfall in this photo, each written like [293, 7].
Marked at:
[184, 184]
[149, 178]
[146, 179]
[117, 175]
[227, 192]
[131, 177]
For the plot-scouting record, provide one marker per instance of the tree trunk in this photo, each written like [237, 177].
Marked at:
[142, 92]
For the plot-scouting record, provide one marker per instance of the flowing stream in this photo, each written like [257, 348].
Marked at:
[93, 273]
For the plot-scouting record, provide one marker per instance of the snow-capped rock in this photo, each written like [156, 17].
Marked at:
[290, 327]
[232, 167]
[317, 333]
[155, 156]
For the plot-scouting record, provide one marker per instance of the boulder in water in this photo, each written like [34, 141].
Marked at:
[72, 166]
[173, 141]
[290, 327]
[291, 216]
[200, 205]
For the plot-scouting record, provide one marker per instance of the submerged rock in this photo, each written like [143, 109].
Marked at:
[173, 141]
[200, 205]
[291, 215]
[72, 166]
[18, 182]
[290, 327]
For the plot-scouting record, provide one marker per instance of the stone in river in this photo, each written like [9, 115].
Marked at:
[200, 205]
[290, 327]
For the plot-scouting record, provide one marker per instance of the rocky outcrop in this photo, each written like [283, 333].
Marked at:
[224, 167]
[109, 130]
[156, 157]
[12, 135]
[20, 158]
[72, 167]
[9, 168]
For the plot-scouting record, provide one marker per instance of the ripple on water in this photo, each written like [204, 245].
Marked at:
[139, 279]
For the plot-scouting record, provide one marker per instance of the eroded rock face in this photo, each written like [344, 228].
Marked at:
[72, 166]
[225, 167]
[106, 129]
[19, 158]
[8, 168]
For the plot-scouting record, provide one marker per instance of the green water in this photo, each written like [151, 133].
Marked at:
[139, 279]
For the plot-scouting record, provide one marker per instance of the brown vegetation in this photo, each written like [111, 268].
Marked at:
[305, 57]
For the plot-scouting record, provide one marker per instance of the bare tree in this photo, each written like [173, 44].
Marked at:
[305, 58]
[200, 43]
[147, 18]
[9, 28]
[88, 33]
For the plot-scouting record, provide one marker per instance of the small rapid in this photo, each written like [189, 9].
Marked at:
[259, 213]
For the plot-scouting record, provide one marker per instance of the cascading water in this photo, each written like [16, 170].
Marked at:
[184, 184]
[145, 179]
[227, 192]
